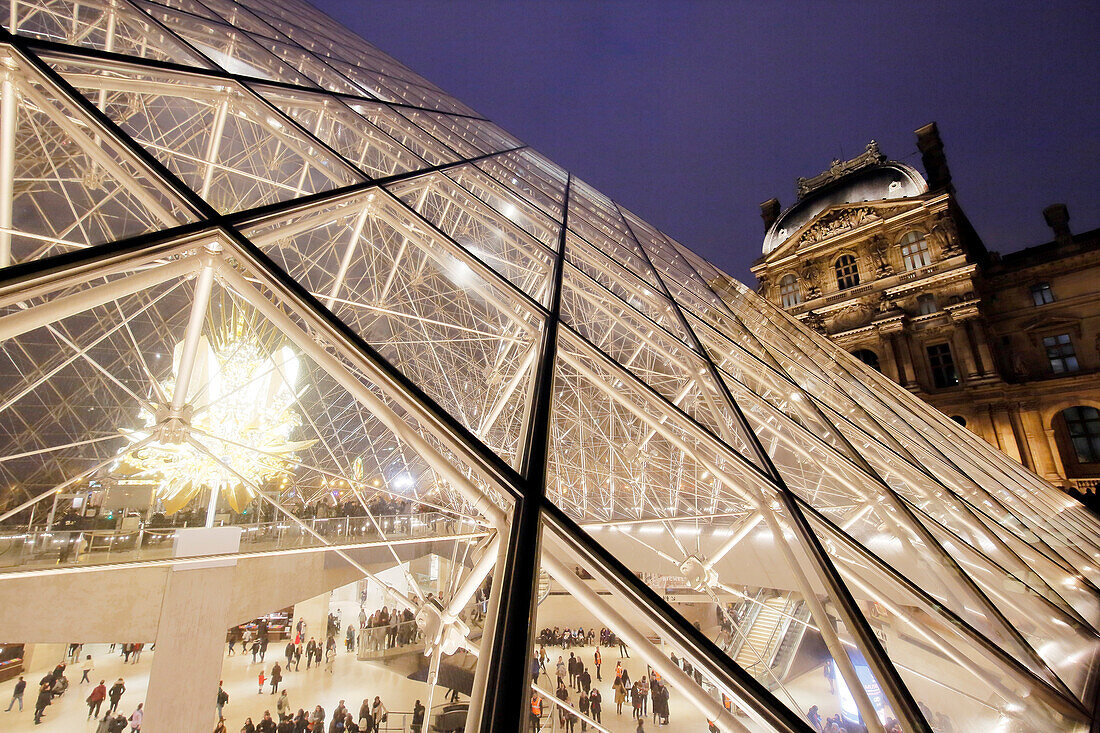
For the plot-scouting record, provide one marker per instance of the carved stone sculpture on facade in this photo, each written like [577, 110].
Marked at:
[878, 248]
[809, 274]
[948, 234]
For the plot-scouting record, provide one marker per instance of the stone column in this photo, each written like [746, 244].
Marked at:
[315, 612]
[1018, 432]
[1002, 426]
[1052, 442]
[981, 346]
[961, 343]
[194, 616]
[906, 361]
[1032, 424]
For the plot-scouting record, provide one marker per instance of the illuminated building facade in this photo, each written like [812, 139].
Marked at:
[204, 200]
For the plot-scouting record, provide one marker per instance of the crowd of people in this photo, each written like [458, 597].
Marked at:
[56, 683]
[568, 638]
[577, 691]
[370, 718]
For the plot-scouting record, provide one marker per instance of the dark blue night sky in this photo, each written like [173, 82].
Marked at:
[692, 113]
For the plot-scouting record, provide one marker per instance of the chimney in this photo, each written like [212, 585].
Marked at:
[935, 162]
[769, 212]
[1057, 216]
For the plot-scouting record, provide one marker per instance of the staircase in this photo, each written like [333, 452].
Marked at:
[762, 636]
[544, 587]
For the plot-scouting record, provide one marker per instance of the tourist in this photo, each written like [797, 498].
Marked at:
[418, 716]
[317, 717]
[45, 697]
[222, 699]
[261, 678]
[814, 717]
[282, 706]
[115, 694]
[136, 717]
[95, 700]
[620, 694]
[86, 669]
[595, 705]
[598, 660]
[379, 712]
[249, 726]
[276, 677]
[266, 725]
[17, 694]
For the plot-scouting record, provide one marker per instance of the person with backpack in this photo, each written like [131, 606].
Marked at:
[223, 699]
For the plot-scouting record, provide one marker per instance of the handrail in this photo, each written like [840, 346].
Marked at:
[93, 546]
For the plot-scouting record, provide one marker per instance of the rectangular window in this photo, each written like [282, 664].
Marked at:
[1060, 353]
[943, 366]
[926, 304]
[1041, 293]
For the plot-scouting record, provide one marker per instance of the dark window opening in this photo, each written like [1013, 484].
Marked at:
[942, 365]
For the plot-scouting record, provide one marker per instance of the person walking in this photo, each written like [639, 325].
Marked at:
[311, 650]
[222, 699]
[136, 718]
[289, 653]
[598, 659]
[95, 700]
[17, 694]
[560, 671]
[261, 679]
[135, 653]
[115, 694]
[86, 669]
[282, 706]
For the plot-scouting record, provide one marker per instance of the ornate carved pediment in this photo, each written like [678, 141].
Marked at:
[836, 222]
[869, 157]
[1039, 326]
[854, 315]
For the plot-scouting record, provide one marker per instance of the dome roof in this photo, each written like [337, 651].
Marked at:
[886, 180]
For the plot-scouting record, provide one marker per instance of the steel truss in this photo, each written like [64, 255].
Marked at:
[483, 333]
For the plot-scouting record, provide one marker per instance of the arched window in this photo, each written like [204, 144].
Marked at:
[790, 294]
[1083, 426]
[847, 273]
[868, 357]
[914, 251]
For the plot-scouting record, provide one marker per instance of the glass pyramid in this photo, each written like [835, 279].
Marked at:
[249, 260]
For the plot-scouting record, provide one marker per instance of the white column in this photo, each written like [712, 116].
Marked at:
[8, 111]
[194, 616]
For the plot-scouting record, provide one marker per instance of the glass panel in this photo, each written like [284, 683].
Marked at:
[225, 144]
[104, 25]
[72, 184]
[365, 146]
[433, 311]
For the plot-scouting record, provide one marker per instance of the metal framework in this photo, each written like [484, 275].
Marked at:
[490, 337]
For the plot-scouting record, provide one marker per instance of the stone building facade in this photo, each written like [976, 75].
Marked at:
[884, 261]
